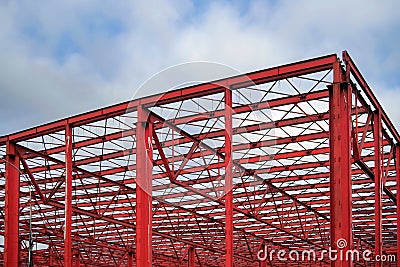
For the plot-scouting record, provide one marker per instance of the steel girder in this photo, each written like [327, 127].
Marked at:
[293, 157]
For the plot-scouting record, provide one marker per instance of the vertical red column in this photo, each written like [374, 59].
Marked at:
[11, 235]
[340, 102]
[50, 256]
[398, 201]
[130, 259]
[263, 247]
[77, 259]
[68, 198]
[228, 180]
[191, 257]
[378, 184]
[143, 189]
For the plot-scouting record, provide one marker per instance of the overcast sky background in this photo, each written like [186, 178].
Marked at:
[61, 58]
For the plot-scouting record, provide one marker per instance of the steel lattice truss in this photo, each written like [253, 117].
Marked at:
[285, 157]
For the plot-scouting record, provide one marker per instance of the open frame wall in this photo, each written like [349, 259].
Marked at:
[299, 157]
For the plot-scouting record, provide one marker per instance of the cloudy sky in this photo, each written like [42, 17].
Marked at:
[60, 58]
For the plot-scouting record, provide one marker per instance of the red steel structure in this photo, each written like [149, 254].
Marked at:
[296, 157]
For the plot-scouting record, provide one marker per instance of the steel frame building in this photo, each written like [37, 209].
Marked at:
[295, 157]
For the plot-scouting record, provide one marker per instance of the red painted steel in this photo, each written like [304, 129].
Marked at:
[340, 102]
[51, 257]
[287, 156]
[11, 222]
[68, 197]
[191, 257]
[378, 184]
[282, 72]
[398, 206]
[367, 90]
[143, 189]
[77, 261]
[130, 259]
[228, 180]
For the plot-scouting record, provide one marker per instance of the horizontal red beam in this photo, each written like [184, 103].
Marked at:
[367, 90]
[258, 77]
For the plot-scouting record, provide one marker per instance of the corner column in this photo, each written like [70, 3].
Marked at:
[340, 102]
[397, 162]
[11, 233]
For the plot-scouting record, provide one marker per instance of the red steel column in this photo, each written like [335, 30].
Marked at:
[11, 235]
[77, 259]
[263, 263]
[143, 190]
[378, 184]
[228, 180]
[397, 162]
[340, 166]
[191, 261]
[130, 259]
[68, 198]
[50, 256]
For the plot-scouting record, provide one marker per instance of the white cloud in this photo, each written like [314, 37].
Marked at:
[389, 99]
[66, 57]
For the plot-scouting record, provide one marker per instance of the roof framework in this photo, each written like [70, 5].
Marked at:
[294, 157]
